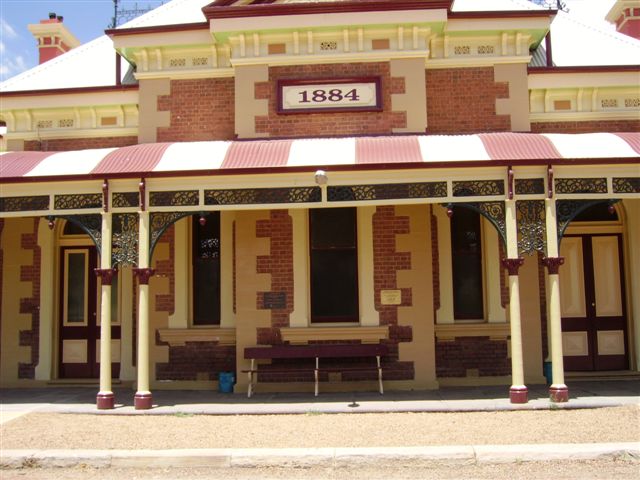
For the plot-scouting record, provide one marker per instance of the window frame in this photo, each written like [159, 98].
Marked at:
[347, 319]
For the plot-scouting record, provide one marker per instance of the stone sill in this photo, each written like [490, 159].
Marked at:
[178, 337]
[495, 331]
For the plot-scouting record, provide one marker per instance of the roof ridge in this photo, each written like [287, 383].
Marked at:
[613, 34]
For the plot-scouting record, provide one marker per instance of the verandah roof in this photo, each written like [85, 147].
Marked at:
[253, 156]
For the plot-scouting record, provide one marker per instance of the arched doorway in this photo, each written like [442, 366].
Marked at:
[592, 286]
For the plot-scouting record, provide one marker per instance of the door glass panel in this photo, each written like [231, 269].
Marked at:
[572, 295]
[606, 276]
[76, 288]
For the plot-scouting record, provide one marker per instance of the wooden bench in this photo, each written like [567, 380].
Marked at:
[366, 352]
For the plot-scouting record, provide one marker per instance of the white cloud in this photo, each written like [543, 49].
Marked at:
[6, 30]
[12, 66]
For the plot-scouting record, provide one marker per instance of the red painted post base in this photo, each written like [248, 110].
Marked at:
[105, 401]
[518, 395]
[558, 394]
[142, 401]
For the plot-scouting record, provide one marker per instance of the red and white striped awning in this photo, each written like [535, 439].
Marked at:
[252, 156]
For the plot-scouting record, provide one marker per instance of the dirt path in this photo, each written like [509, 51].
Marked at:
[47, 430]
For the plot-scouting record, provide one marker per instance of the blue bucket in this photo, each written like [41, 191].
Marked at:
[548, 372]
[226, 381]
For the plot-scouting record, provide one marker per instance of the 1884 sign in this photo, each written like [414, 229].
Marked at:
[304, 96]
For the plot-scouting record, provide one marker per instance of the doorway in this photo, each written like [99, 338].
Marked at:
[594, 320]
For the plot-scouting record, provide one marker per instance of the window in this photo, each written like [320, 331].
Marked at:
[466, 255]
[334, 265]
[206, 270]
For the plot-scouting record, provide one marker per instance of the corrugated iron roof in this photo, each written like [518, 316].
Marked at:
[282, 155]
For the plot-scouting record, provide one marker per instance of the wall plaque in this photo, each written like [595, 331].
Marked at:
[390, 297]
[274, 300]
[337, 95]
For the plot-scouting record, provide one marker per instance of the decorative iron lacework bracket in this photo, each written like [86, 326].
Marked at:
[492, 211]
[531, 222]
[567, 210]
[160, 222]
[90, 223]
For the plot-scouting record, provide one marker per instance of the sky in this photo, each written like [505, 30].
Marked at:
[87, 20]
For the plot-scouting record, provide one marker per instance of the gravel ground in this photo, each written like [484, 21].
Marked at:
[312, 430]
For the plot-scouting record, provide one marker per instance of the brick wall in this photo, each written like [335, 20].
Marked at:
[587, 127]
[387, 261]
[328, 124]
[489, 357]
[197, 361]
[201, 109]
[65, 144]
[279, 264]
[31, 305]
[435, 262]
[463, 100]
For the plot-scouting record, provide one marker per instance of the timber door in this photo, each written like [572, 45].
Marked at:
[594, 325]
[79, 326]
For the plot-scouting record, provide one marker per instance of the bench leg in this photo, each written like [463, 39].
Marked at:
[250, 374]
[380, 376]
[315, 375]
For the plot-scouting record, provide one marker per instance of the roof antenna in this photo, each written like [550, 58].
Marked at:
[121, 16]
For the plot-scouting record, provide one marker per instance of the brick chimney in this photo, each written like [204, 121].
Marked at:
[53, 37]
[626, 16]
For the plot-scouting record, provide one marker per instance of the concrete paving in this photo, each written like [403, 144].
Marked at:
[583, 394]
[319, 457]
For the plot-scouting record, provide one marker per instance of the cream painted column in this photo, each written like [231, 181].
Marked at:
[105, 399]
[558, 391]
[127, 369]
[46, 242]
[518, 390]
[143, 398]
[180, 317]
[227, 316]
[445, 313]
[369, 316]
[300, 315]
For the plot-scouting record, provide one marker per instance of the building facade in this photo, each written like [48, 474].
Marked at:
[249, 173]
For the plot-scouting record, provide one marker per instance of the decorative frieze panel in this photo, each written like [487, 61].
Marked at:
[626, 185]
[581, 185]
[24, 204]
[124, 241]
[392, 191]
[185, 198]
[251, 196]
[125, 200]
[478, 188]
[531, 221]
[77, 201]
[529, 186]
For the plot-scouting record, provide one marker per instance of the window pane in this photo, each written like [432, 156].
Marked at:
[333, 228]
[334, 265]
[206, 271]
[76, 287]
[466, 251]
[334, 283]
